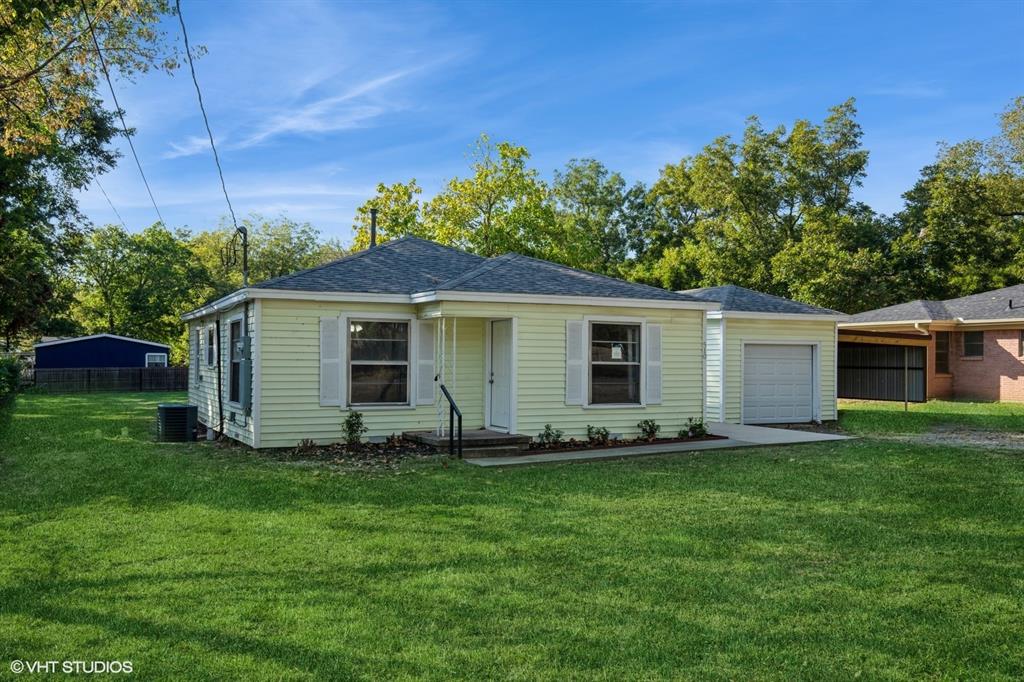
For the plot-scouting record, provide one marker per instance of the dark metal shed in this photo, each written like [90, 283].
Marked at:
[100, 350]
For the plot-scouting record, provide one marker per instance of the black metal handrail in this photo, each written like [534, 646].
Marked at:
[453, 411]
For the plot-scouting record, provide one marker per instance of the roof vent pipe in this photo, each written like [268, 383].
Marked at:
[373, 227]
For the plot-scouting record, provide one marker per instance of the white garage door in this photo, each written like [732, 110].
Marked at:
[777, 383]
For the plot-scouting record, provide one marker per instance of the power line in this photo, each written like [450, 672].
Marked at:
[120, 113]
[110, 203]
[202, 109]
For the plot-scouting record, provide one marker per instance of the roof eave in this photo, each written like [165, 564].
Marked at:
[752, 315]
[546, 299]
[891, 323]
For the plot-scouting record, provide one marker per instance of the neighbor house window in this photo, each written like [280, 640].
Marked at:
[378, 362]
[942, 352]
[156, 359]
[235, 371]
[974, 344]
[211, 347]
[614, 363]
[1020, 343]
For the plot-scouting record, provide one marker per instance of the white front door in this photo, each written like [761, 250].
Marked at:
[500, 375]
[778, 383]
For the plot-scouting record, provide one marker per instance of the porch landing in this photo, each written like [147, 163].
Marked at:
[476, 443]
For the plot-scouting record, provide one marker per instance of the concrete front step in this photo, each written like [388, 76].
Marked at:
[476, 438]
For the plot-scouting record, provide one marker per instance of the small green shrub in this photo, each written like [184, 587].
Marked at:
[648, 429]
[598, 435]
[550, 436]
[10, 378]
[354, 428]
[696, 428]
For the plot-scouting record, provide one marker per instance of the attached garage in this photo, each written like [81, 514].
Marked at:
[769, 360]
[778, 383]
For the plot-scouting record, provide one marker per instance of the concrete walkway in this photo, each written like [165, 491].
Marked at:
[736, 436]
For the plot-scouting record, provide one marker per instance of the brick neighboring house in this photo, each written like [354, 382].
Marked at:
[975, 344]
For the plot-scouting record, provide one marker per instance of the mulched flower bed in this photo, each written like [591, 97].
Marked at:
[573, 445]
[386, 456]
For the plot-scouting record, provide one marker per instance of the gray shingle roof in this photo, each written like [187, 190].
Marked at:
[400, 266]
[518, 274]
[411, 265]
[738, 298]
[988, 305]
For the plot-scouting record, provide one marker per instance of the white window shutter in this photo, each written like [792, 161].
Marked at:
[574, 362]
[653, 377]
[330, 361]
[425, 362]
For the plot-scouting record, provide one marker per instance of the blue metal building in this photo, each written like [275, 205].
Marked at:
[100, 350]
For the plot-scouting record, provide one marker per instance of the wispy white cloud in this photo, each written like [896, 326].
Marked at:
[193, 144]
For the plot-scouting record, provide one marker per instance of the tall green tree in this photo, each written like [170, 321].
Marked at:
[55, 135]
[399, 214]
[503, 206]
[590, 205]
[138, 284]
[965, 215]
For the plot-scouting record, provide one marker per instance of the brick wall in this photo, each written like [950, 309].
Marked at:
[939, 385]
[997, 375]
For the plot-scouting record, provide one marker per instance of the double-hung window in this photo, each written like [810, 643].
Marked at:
[942, 352]
[974, 344]
[614, 363]
[195, 353]
[211, 347]
[235, 370]
[378, 362]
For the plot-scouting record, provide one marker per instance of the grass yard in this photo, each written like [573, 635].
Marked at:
[865, 417]
[869, 558]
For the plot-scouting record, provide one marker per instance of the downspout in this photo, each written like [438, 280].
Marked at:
[220, 383]
[923, 332]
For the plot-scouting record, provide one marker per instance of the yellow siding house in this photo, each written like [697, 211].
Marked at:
[770, 360]
[518, 342]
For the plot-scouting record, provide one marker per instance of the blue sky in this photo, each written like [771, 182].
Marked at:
[313, 103]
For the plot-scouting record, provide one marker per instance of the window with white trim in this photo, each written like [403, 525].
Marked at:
[614, 363]
[378, 362]
[156, 359]
[211, 347]
[195, 353]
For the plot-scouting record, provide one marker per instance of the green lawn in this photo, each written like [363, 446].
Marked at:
[871, 558]
[865, 417]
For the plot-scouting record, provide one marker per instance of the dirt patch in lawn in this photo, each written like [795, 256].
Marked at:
[958, 436]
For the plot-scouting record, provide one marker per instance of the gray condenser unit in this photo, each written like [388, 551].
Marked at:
[176, 422]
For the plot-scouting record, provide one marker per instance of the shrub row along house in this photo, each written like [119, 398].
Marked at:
[518, 342]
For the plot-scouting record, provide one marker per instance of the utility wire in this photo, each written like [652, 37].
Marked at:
[110, 203]
[206, 120]
[120, 112]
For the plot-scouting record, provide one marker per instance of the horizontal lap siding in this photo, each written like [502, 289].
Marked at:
[541, 367]
[739, 331]
[290, 378]
[203, 392]
[713, 374]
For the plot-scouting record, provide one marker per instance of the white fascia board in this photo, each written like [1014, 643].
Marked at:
[890, 323]
[97, 336]
[237, 297]
[1002, 320]
[608, 302]
[795, 317]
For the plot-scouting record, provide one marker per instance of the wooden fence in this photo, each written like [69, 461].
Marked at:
[110, 379]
